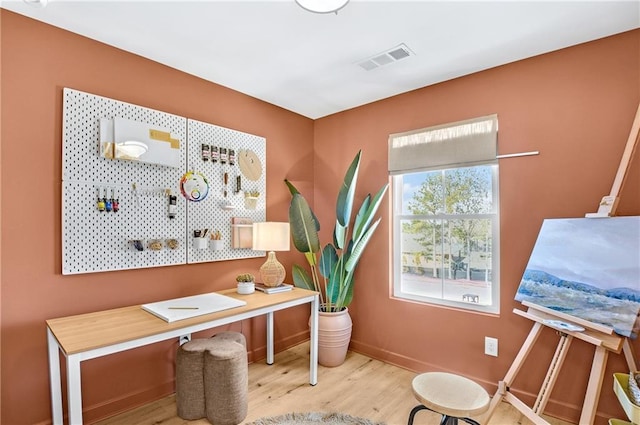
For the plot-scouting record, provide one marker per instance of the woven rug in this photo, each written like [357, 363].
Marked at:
[314, 418]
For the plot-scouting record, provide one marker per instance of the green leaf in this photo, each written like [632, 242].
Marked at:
[342, 280]
[347, 192]
[358, 231]
[291, 187]
[303, 225]
[358, 247]
[295, 191]
[339, 235]
[346, 253]
[333, 287]
[361, 214]
[328, 260]
[346, 293]
[302, 279]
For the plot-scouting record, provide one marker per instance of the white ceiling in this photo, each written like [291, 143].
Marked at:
[308, 63]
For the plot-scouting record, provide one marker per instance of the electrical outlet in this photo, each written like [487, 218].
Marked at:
[491, 346]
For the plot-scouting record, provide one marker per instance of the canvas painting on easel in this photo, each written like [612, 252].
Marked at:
[587, 268]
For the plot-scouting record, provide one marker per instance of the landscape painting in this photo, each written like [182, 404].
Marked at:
[588, 268]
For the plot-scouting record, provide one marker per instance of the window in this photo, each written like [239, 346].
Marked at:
[445, 215]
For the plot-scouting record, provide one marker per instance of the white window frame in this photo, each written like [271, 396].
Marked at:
[444, 147]
[398, 217]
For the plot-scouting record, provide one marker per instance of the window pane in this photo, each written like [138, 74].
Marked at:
[422, 266]
[468, 261]
[447, 259]
[423, 193]
[421, 246]
[468, 190]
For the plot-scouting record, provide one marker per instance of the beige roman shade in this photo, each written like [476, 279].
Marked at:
[462, 143]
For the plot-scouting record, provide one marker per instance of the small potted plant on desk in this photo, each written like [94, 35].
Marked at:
[338, 260]
[246, 283]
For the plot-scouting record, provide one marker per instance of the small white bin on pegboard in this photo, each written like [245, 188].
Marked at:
[251, 202]
[216, 244]
[200, 243]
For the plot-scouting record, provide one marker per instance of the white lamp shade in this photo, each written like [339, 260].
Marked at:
[271, 236]
[322, 6]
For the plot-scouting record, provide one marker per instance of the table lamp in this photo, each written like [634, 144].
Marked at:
[271, 236]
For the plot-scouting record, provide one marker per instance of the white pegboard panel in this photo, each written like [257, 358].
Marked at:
[216, 211]
[95, 241]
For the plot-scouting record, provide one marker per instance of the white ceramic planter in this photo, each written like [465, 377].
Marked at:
[246, 288]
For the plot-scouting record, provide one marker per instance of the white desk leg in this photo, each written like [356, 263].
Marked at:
[54, 378]
[74, 390]
[270, 337]
[313, 336]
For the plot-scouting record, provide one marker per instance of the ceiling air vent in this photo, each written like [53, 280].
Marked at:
[385, 58]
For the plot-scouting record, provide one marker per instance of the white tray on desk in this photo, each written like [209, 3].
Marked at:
[193, 306]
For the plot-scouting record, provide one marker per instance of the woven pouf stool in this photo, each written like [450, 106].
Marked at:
[191, 394]
[190, 379]
[232, 336]
[452, 396]
[226, 381]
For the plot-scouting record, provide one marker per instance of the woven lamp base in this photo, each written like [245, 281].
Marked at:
[272, 272]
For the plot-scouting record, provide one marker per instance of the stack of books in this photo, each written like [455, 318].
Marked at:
[274, 289]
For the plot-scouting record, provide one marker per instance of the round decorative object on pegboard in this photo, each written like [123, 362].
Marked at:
[194, 186]
[250, 164]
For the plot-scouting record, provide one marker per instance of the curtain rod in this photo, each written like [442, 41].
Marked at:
[513, 155]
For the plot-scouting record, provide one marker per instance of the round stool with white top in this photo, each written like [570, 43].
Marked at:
[453, 396]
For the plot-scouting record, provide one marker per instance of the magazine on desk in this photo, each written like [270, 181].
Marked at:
[283, 287]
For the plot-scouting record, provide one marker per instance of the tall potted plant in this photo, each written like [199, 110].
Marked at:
[332, 275]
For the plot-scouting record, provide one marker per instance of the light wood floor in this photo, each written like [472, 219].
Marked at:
[360, 387]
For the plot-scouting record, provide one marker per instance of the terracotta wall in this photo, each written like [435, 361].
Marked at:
[37, 62]
[576, 107]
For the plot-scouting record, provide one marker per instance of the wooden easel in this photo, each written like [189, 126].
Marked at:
[602, 337]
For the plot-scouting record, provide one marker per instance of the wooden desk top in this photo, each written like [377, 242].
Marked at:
[83, 332]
